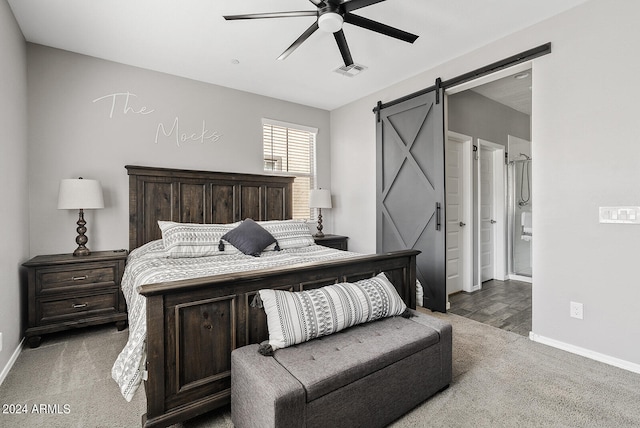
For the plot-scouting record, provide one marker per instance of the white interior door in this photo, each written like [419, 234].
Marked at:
[491, 238]
[459, 214]
[454, 214]
[486, 216]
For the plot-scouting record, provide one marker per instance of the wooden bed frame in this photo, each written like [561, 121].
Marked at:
[192, 325]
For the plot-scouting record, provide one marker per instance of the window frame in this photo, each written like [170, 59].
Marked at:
[313, 173]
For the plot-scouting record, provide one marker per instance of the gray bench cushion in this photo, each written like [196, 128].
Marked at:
[331, 362]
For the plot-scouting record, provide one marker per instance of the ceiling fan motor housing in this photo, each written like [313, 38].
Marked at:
[330, 20]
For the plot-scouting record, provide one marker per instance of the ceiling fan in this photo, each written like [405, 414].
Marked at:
[331, 14]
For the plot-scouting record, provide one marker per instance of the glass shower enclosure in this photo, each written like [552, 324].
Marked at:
[520, 206]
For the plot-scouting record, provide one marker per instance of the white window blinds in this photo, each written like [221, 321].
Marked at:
[290, 149]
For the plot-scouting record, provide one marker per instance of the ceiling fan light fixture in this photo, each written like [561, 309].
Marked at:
[330, 22]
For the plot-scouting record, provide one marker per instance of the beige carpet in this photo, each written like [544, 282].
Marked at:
[500, 379]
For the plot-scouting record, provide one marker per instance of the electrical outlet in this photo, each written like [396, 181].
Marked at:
[576, 310]
[0, 342]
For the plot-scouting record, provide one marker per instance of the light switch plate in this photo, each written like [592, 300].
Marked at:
[624, 215]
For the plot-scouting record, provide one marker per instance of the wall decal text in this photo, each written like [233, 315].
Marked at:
[122, 103]
[126, 108]
[205, 135]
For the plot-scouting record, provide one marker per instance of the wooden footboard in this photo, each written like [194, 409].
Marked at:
[193, 325]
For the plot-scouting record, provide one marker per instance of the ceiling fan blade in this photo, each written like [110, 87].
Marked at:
[272, 15]
[379, 27]
[350, 5]
[299, 41]
[344, 48]
[317, 2]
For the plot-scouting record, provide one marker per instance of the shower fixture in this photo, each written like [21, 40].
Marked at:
[525, 167]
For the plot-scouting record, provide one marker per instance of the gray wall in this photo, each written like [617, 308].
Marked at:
[586, 156]
[77, 127]
[477, 116]
[14, 228]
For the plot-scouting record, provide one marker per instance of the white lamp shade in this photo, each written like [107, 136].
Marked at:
[320, 198]
[79, 193]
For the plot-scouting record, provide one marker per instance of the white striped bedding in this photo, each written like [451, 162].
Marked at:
[149, 264]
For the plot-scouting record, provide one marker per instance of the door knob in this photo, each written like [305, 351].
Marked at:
[462, 224]
[493, 221]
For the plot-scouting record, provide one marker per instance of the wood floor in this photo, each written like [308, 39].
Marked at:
[502, 304]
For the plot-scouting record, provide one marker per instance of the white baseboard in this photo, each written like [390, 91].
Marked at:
[11, 362]
[607, 359]
[521, 278]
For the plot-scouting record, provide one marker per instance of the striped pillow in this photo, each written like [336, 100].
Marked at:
[288, 233]
[296, 317]
[195, 239]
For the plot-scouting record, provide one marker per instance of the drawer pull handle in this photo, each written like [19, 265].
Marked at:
[79, 278]
[80, 306]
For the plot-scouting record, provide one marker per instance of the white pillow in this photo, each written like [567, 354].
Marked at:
[288, 233]
[195, 239]
[295, 317]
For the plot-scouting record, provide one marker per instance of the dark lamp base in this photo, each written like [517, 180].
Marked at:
[81, 251]
[319, 234]
[81, 239]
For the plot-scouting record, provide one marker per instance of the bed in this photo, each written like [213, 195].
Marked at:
[186, 314]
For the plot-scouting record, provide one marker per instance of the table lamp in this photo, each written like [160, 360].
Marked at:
[80, 194]
[320, 198]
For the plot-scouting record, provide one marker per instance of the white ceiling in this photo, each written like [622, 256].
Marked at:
[513, 91]
[189, 38]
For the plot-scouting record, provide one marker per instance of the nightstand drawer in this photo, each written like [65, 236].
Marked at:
[74, 277]
[74, 308]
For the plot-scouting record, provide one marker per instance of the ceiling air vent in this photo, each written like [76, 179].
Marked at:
[350, 70]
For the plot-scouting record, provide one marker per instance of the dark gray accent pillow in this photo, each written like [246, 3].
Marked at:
[249, 237]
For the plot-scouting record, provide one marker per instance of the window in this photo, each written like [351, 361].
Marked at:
[291, 149]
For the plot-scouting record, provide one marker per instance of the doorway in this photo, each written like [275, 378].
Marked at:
[459, 212]
[474, 111]
[491, 218]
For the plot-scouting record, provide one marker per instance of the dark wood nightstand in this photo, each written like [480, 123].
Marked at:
[338, 242]
[66, 291]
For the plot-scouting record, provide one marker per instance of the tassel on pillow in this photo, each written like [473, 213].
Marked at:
[265, 349]
[257, 302]
[221, 246]
[408, 313]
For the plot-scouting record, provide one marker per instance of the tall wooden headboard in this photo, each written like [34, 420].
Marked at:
[201, 197]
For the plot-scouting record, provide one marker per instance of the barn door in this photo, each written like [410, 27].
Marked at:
[410, 188]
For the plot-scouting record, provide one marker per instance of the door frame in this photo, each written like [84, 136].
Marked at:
[498, 152]
[466, 84]
[467, 196]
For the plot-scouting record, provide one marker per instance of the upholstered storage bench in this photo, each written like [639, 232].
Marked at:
[367, 375]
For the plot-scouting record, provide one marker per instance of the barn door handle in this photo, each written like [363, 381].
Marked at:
[438, 225]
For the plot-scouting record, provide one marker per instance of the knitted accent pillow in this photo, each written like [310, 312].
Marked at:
[250, 238]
